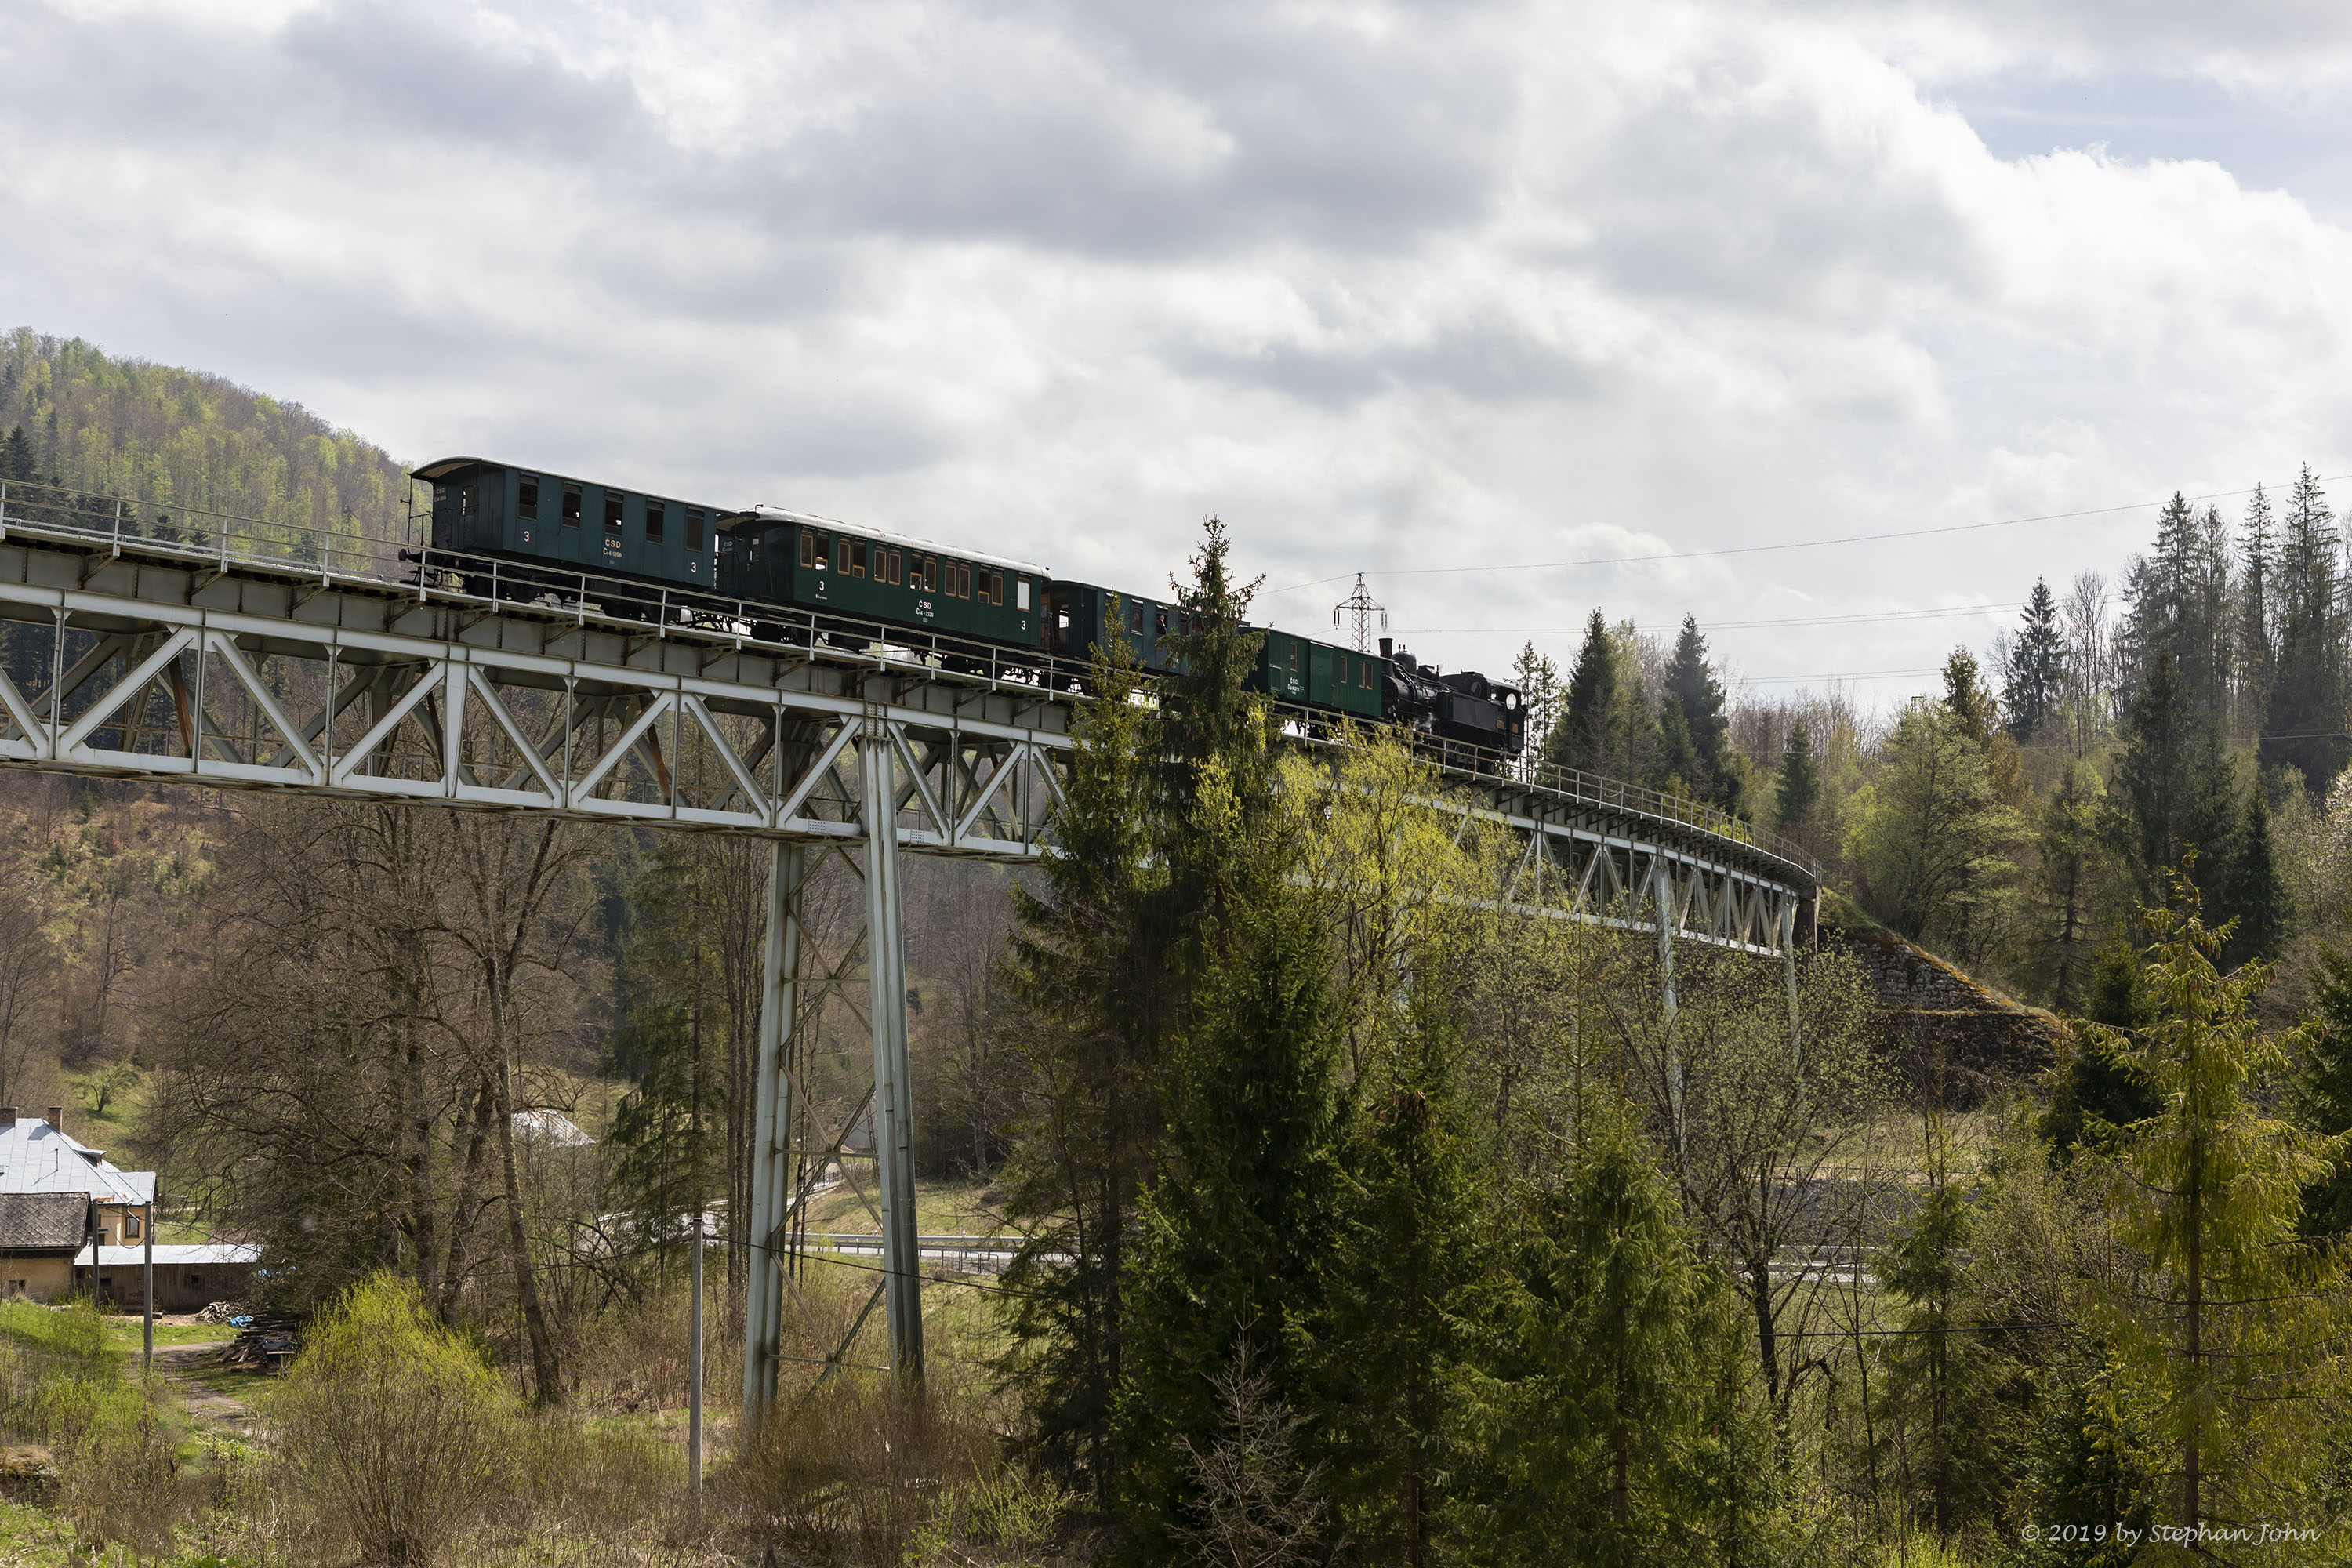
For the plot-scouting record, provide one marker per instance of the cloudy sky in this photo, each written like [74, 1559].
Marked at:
[1474, 298]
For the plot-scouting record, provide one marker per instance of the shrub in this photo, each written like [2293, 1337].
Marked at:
[110, 1440]
[393, 1426]
[849, 1469]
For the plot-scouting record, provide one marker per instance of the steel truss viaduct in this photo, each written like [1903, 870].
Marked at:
[227, 653]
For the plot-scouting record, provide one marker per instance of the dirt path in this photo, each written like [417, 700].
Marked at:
[185, 1367]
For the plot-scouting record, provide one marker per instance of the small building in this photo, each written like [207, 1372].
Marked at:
[57, 1197]
[188, 1277]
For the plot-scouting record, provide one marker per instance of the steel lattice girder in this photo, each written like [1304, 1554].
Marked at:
[134, 688]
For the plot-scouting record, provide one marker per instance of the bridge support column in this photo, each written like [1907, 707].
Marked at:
[894, 1099]
[1662, 900]
[775, 1158]
[1789, 961]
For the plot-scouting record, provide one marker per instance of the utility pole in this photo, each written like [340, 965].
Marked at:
[147, 1291]
[694, 1372]
[1363, 607]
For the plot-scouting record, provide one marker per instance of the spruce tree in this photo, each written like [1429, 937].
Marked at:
[1410, 1256]
[2090, 1095]
[1091, 967]
[1587, 735]
[1676, 768]
[2174, 792]
[1539, 691]
[2037, 666]
[1590, 1417]
[2210, 1196]
[1800, 784]
[2257, 627]
[1694, 695]
[2305, 717]
[2255, 895]
[1966, 697]
[2322, 1093]
[17, 456]
[1235, 1236]
[2066, 865]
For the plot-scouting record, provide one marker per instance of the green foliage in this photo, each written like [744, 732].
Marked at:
[1173, 854]
[2174, 794]
[171, 440]
[1587, 735]
[1592, 1426]
[2037, 666]
[2254, 896]
[111, 1439]
[2304, 720]
[2322, 1090]
[2209, 1190]
[396, 1429]
[1800, 784]
[671, 1041]
[1409, 1258]
[1930, 839]
[1099, 984]
[1236, 1233]
[2092, 1093]
[1692, 710]
[2066, 875]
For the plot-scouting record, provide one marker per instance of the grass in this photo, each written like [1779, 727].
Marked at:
[942, 1208]
[128, 1334]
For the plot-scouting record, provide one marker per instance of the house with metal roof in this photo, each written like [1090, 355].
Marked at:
[58, 1197]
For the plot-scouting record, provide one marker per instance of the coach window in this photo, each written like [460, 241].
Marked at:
[694, 528]
[613, 504]
[1021, 593]
[656, 521]
[856, 558]
[898, 568]
[570, 504]
[808, 548]
[996, 589]
[527, 500]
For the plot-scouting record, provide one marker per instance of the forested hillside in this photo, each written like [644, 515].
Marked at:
[173, 440]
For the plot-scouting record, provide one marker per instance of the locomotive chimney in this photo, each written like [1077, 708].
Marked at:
[1388, 647]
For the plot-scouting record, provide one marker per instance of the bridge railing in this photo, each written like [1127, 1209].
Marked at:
[198, 535]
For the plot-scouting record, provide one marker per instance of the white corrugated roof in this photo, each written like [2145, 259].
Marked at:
[34, 1157]
[552, 1125]
[180, 1254]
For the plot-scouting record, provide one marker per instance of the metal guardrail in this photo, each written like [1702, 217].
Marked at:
[195, 536]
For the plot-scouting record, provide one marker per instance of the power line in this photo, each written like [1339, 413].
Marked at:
[1732, 626]
[1796, 545]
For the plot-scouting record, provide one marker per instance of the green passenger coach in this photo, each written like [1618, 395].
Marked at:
[490, 508]
[821, 567]
[1300, 669]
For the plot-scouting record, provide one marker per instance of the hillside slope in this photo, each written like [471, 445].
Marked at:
[174, 439]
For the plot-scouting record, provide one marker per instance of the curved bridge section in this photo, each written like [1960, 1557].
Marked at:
[221, 654]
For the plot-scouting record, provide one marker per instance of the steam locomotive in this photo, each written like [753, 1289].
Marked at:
[826, 577]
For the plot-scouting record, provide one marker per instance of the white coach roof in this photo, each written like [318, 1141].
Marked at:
[913, 541]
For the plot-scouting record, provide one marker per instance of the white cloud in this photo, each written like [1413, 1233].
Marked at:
[1387, 286]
